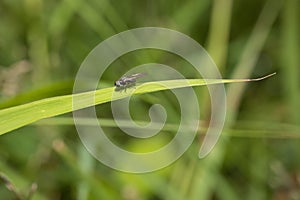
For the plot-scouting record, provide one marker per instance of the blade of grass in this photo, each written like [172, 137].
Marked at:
[96, 183]
[251, 53]
[207, 183]
[55, 88]
[217, 47]
[290, 57]
[86, 164]
[18, 116]
[243, 129]
[18, 179]
[191, 10]
[219, 32]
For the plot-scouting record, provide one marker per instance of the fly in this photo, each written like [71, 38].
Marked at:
[127, 81]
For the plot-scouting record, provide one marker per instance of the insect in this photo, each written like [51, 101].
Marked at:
[127, 81]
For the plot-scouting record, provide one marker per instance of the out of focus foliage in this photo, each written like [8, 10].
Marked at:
[43, 43]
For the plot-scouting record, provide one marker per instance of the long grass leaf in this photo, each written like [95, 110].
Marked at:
[18, 116]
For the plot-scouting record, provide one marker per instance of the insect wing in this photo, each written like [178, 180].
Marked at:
[138, 75]
[132, 78]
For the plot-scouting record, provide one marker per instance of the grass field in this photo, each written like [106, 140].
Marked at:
[42, 46]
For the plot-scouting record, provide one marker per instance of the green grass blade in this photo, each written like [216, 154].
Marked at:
[18, 116]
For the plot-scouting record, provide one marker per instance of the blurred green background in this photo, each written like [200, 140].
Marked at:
[42, 44]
